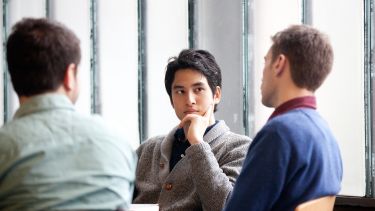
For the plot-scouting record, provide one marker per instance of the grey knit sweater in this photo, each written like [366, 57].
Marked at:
[202, 180]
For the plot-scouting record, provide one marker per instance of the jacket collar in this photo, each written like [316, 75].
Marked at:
[166, 146]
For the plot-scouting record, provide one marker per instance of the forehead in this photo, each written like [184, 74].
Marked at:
[268, 54]
[189, 76]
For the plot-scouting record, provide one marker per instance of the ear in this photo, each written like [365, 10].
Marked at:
[70, 79]
[217, 95]
[279, 64]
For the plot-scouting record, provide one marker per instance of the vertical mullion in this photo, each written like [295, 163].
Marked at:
[6, 97]
[142, 71]
[307, 12]
[368, 77]
[48, 8]
[94, 73]
[245, 65]
[192, 23]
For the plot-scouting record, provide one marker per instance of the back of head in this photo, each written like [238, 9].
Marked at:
[38, 54]
[309, 52]
[199, 60]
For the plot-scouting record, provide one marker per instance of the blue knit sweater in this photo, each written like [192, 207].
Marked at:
[293, 159]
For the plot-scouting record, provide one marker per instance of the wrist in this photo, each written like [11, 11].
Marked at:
[195, 141]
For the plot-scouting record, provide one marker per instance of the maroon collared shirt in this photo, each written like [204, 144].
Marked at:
[299, 102]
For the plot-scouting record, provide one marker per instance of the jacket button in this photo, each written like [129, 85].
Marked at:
[168, 186]
[161, 165]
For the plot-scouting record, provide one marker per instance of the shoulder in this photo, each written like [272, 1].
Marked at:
[93, 120]
[298, 132]
[225, 135]
[233, 142]
[230, 145]
[94, 126]
[150, 145]
[236, 138]
[294, 118]
[95, 129]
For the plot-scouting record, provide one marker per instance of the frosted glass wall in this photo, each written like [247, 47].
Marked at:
[341, 98]
[167, 35]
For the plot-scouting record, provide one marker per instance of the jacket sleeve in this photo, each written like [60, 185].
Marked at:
[214, 178]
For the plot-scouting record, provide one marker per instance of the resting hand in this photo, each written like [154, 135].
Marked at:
[195, 125]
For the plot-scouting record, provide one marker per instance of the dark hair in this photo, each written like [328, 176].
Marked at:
[199, 60]
[38, 54]
[309, 52]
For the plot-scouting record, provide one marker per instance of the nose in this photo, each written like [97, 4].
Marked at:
[190, 98]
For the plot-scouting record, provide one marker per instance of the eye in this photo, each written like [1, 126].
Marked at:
[199, 89]
[179, 92]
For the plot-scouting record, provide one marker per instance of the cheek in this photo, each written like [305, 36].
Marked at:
[207, 100]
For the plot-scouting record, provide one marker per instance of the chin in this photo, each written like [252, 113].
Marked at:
[266, 103]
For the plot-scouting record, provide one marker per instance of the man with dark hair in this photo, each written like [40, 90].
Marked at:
[51, 157]
[294, 158]
[195, 166]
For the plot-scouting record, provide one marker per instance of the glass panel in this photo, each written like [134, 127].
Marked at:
[223, 38]
[269, 18]
[76, 16]
[341, 98]
[118, 66]
[166, 36]
[17, 10]
[30, 8]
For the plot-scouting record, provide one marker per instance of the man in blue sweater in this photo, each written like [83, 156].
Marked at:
[295, 157]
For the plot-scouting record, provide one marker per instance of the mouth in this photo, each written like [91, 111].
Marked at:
[191, 111]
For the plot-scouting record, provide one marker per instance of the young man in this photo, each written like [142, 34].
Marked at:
[194, 167]
[51, 157]
[294, 157]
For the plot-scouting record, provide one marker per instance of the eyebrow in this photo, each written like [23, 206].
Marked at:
[194, 85]
[178, 87]
[198, 84]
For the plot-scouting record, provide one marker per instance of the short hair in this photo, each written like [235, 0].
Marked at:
[309, 52]
[38, 54]
[199, 60]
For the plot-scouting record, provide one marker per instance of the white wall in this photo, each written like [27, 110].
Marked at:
[341, 98]
[76, 15]
[223, 38]
[118, 65]
[17, 10]
[267, 21]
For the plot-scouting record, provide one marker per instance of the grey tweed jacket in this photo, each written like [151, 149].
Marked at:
[201, 180]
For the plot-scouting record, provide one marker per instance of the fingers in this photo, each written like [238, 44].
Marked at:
[186, 119]
[190, 117]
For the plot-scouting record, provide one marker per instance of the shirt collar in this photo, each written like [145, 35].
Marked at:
[44, 102]
[299, 102]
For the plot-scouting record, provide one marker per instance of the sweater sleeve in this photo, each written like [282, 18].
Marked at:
[214, 181]
[263, 174]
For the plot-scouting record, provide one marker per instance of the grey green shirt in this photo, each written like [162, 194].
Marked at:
[52, 158]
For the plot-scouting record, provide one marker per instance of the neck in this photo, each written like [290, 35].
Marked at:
[289, 94]
[23, 99]
[212, 120]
